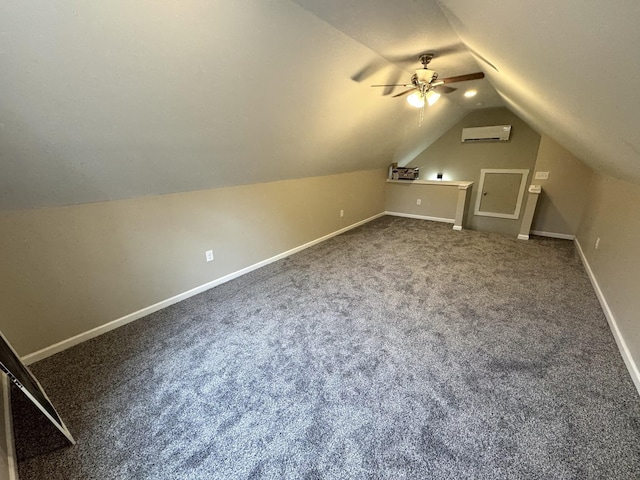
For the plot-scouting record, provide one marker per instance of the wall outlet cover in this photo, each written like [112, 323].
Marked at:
[542, 175]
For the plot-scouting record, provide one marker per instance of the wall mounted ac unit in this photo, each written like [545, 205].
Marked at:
[496, 133]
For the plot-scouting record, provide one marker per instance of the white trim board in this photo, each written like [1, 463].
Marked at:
[421, 217]
[611, 319]
[563, 236]
[8, 443]
[112, 325]
[498, 171]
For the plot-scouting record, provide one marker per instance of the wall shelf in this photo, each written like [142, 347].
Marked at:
[459, 184]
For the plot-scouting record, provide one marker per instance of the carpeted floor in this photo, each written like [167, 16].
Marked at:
[401, 349]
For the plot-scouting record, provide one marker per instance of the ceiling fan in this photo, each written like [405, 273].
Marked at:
[426, 86]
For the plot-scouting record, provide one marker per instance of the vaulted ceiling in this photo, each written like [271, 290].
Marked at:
[110, 100]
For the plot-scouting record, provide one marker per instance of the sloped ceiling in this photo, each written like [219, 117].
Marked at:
[569, 68]
[109, 100]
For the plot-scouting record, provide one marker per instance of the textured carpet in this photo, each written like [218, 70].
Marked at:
[401, 349]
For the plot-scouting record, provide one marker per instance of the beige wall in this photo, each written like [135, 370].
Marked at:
[437, 201]
[69, 269]
[612, 215]
[463, 162]
[565, 193]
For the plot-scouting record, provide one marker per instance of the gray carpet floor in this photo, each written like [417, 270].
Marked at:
[401, 349]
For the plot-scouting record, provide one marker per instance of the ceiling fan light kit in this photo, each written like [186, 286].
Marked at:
[416, 100]
[432, 97]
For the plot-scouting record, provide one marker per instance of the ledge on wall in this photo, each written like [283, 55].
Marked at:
[460, 184]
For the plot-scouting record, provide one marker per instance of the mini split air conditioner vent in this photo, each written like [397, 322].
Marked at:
[496, 133]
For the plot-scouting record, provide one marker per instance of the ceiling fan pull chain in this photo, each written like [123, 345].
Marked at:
[423, 93]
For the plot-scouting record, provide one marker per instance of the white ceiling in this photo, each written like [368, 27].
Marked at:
[109, 100]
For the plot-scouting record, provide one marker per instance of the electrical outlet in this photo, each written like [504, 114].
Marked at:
[597, 242]
[542, 175]
[419, 201]
[209, 255]
[342, 213]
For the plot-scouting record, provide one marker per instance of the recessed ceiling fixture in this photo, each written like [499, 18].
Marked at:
[470, 93]
[425, 82]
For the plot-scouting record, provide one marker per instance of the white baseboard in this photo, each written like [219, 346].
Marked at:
[107, 327]
[564, 236]
[613, 325]
[421, 217]
[7, 443]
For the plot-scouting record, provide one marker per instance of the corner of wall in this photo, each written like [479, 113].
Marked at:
[565, 192]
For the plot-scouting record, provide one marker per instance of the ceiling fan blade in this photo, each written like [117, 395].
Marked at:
[439, 52]
[395, 85]
[445, 89]
[404, 93]
[368, 70]
[461, 78]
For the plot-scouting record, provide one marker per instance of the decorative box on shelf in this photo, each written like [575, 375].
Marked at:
[405, 173]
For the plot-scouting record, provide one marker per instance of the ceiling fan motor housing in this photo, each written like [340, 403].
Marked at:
[425, 75]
